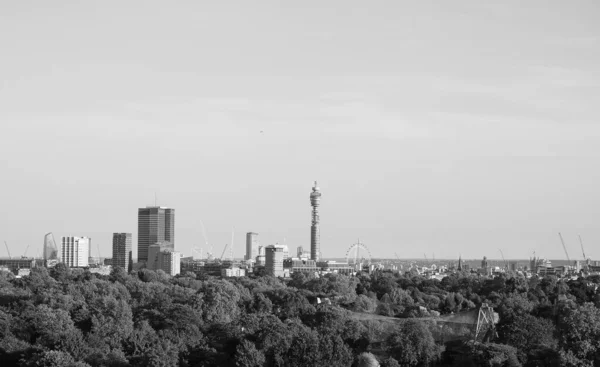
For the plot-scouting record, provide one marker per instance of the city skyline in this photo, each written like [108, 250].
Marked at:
[441, 128]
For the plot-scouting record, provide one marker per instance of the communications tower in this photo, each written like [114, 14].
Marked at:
[315, 199]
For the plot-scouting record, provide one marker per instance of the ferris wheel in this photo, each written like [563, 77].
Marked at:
[358, 253]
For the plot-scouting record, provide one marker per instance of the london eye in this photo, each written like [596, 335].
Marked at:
[358, 254]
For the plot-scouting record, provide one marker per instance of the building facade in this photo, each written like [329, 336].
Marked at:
[170, 262]
[274, 260]
[155, 225]
[75, 251]
[162, 257]
[251, 246]
[121, 251]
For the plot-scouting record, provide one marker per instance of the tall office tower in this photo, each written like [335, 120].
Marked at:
[274, 260]
[155, 224]
[315, 236]
[75, 251]
[251, 246]
[121, 251]
[50, 249]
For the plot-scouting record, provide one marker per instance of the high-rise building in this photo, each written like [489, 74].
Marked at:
[251, 246]
[274, 260]
[121, 251]
[155, 224]
[162, 257]
[50, 250]
[315, 236]
[75, 251]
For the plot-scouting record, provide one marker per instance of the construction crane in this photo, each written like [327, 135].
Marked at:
[209, 248]
[503, 259]
[7, 250]
[223, 253]
[397, 257]
[426, 260]
[231, 247]
[582, 250]
[564, 247]
[25, 253]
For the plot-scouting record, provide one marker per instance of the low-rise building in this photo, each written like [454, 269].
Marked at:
[300, 265]
[15, 264]
[233, 272]
[335, 267]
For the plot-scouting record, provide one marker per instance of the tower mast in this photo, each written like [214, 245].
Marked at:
[315, 199]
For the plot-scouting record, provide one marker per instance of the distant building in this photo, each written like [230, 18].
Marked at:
[274, 260]
[103, 270]
[50, 250]
[286, 251]
[15, 265]
[155, 225]
[75, 251]
[162, 257]
[192, 265]
[170, 262]
[121, 251]
[260, 259]
[233, 272]
[251, 246]
[302, 254]
[300, 265]
[335, 267]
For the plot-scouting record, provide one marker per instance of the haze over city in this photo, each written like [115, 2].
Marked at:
[446, 129]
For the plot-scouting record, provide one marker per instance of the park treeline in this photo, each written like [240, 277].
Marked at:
[60, 317]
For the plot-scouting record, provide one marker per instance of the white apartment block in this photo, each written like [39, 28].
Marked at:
[75, 251]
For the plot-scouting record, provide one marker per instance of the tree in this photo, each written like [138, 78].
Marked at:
[112, 320]
[580, 335]
[53, 358]
[333, 351]
[246, 355]
[144, 348]
[413, 344]
[528, 333]
[475, 354]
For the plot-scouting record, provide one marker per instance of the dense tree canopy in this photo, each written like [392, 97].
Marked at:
[62, 317]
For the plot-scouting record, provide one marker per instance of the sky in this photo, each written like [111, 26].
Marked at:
[432, 127]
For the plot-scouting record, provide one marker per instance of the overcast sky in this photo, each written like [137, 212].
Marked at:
[437, 127]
